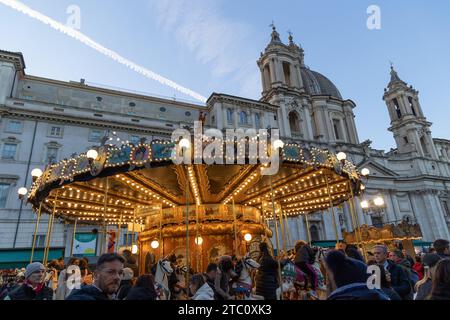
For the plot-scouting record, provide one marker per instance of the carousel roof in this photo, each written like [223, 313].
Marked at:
[128, 177]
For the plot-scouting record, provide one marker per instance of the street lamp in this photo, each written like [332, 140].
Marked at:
[376, 205]
[365, 172]
[341, 156]
[22, 192]
[36, 173]
[92, 155]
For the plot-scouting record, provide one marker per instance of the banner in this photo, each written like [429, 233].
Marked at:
[85, 244]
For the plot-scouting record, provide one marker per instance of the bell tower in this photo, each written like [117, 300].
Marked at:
[280, 66]
[408, 124]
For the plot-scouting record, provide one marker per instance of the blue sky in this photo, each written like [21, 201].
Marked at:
[212, 46]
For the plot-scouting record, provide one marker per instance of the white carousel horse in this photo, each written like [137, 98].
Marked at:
[163, 272]
[244, 285]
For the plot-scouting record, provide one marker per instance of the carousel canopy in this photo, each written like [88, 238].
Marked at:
[111, 184]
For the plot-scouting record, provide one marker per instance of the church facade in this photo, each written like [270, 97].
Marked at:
[44, 121]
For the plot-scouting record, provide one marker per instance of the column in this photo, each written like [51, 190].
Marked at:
[299, 76]
[219, 116]
[236, 117]
[273, 77]
[395, 208]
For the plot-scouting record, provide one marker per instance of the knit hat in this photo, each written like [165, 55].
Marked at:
[128, 274]
[32, 268]
[431, 259]
[345, 270]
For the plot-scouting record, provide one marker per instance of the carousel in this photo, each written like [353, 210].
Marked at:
[198, 212]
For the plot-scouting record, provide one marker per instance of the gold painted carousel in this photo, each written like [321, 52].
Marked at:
[196, 211]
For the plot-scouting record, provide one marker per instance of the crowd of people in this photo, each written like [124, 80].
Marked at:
[342, 273]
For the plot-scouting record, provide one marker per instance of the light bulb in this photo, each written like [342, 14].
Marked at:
[154, 244]
[365, 172]
[363, 187]
[134, 249]
[247, 237]
[378, 201]
[198, 240]
[277, 144]
[364, 204]
[341, 156]
[92, 154]
[22, 191]
[36, 173]
[185, 143]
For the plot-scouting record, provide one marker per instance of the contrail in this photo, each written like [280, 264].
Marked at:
[18, 6]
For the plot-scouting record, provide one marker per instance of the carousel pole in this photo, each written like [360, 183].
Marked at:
[288, 231]
[35, 231]
[49, 230]
[333, 215]
[161, 247]
[358, 229]
[308, 231]
[73, 236]
[105, 203]
[283, 233]
[187, 230]
[197, 255]
[235, 229]
[119, 228]
[277, 237]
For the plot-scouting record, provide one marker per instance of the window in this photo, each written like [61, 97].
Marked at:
[410, 100]
[9, 151]
[446, 208]
[99, 99]
[287, 73]
[397, 108]
[162, 109]
[229, 116]
[257, 121]
[40, 240]
[4, 191]
[337, 129]
[294, 122]
[377, 221]
[14, 126]
[132, 104]
[52, 155]
[127, 239]
[55, 131]
[135, 140]
[314, 232]
[96, 135]
[405, 140]
[187, 114]
[243, 118]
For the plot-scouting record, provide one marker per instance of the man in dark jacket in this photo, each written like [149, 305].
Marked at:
[267, 276]
[304, 258]
[399, 278]
[107, 277]
[210, 276]
[33, 287]
[442, 248]
[347, 279]
[126, 284]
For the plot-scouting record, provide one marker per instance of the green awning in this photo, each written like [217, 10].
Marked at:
[19, 258]
[324, 243]
[420, 243]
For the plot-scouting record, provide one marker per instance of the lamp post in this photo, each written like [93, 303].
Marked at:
[374, 207]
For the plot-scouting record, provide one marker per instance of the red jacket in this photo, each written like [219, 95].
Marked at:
[418, 267]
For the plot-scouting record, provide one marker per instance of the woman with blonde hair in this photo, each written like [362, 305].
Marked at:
[423, 286]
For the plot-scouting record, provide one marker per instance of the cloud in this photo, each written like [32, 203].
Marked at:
[218, 41]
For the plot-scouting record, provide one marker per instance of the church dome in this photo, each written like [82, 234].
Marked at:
[316, 83]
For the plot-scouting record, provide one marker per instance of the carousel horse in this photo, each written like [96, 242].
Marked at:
[244, 284]
[162, 274]
[293, 281]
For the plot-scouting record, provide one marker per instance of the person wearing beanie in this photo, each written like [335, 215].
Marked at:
[347, 279]
[33, 287]
[125, 284]
[423, 287]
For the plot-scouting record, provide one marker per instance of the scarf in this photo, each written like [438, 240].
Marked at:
[36, 289]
